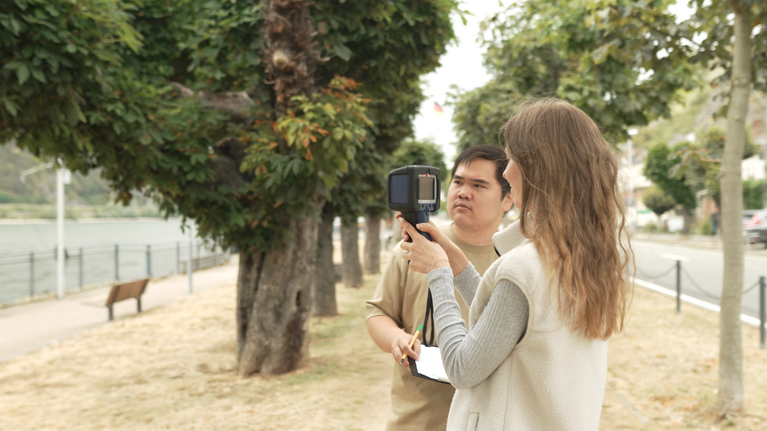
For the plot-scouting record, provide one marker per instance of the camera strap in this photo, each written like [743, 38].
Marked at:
[429, 316]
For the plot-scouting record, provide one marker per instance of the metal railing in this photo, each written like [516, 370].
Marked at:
[31, 274]
[761, 284]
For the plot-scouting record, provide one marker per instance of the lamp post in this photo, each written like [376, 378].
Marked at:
[63, 176]
[632, 205]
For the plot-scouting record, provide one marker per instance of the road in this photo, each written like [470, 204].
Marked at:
[701, 276]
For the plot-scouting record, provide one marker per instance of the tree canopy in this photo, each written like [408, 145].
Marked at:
[163, 96]
[604, 57]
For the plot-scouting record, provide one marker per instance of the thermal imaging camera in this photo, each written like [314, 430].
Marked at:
[414, 191]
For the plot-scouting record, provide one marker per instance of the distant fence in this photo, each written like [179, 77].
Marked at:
[30, 274]
[761, 284]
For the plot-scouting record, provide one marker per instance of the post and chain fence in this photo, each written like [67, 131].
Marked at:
[32, 274]
[761, 283]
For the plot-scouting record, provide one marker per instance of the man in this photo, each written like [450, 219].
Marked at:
[477, 199]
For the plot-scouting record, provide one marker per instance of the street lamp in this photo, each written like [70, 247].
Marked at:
[63, 176]
[631, 206]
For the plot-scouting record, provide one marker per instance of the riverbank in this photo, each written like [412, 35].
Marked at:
[28, 212]
[173, 368]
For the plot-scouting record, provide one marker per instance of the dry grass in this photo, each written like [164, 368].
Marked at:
[664, 370]
[171, 368]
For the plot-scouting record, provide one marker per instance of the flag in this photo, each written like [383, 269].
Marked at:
[438, 111]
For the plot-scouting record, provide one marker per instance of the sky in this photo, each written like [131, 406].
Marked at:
[462, 66]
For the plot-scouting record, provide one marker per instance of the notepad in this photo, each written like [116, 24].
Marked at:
[430, 365]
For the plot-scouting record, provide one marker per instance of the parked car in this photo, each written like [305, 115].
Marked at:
[755, 229]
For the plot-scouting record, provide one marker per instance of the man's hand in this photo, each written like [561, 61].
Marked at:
[387, 334]
[401, 345]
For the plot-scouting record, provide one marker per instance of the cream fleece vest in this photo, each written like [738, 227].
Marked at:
[554, 379]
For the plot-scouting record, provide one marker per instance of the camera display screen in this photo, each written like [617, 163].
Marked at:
[398, 189]
[426, 188]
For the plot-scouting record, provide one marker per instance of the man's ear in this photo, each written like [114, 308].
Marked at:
[508, 201]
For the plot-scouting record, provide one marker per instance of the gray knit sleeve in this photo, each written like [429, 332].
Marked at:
[466, 283]
[471, 356]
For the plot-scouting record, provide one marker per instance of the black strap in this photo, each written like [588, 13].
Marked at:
[429, 316]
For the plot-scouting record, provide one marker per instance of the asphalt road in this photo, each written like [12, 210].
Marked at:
[701, 276]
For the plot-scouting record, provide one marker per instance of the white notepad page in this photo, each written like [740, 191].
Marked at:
[430, 364]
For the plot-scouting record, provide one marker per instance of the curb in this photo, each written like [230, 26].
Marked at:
[746, 320]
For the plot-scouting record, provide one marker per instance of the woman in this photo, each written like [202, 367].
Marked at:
[535, 356]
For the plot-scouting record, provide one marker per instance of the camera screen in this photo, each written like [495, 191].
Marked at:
[426, 188]
[398, 189]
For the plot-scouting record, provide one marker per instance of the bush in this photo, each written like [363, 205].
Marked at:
[5, 198]
[651, 228]
[704, 227]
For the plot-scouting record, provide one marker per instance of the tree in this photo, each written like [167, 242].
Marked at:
[592, 54]
[389, 50]
[753, 194]
[700, 162]
[622, 62]
[736, 59]
[658, 165]
[657, 200]
[230, 116]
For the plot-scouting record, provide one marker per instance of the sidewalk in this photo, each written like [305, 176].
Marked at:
[26, 328]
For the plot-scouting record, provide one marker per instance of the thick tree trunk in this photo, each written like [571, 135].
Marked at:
[274, 289]
[352, 268]
[372, 244]
[730, 397]
[274, 303]
[325, 275]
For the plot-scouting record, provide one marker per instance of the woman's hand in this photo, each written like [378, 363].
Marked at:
[458, 260]
[424, 255]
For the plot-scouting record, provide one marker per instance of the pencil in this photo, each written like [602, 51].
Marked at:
[412, 341]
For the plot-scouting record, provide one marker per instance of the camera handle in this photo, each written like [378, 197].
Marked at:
[415, 218]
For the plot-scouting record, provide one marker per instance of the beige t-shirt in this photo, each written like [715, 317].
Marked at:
[418, 404]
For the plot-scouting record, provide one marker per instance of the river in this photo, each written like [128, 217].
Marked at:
[18, 236]
[97, 252]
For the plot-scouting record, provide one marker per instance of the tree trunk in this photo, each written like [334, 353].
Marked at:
[352, 268]
[274, 289]
[689, 219]
[372, 244]
[730, 399]
[274, 304]
[325, 274]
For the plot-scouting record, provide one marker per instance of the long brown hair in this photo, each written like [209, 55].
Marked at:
[572, 210]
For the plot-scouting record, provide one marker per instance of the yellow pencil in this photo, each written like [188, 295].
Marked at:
[412, 342]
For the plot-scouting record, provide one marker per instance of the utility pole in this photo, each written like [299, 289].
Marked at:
[632, 209]
[189, 260]
[63, 176]
[60, 242]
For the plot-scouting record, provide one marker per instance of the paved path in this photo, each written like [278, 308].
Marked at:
[26, 328]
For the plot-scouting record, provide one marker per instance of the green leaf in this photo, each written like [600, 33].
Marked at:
[338, 133]
[11, 107]
[22, 72]
[72, 112]
[252, 58]
[342, 51]
[38, 75]
[13, 65]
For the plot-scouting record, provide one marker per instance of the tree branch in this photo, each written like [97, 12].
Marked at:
[235, 104]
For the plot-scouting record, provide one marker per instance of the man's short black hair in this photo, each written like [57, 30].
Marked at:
[487, 152]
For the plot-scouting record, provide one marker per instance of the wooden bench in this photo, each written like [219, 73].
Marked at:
[123, 291]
